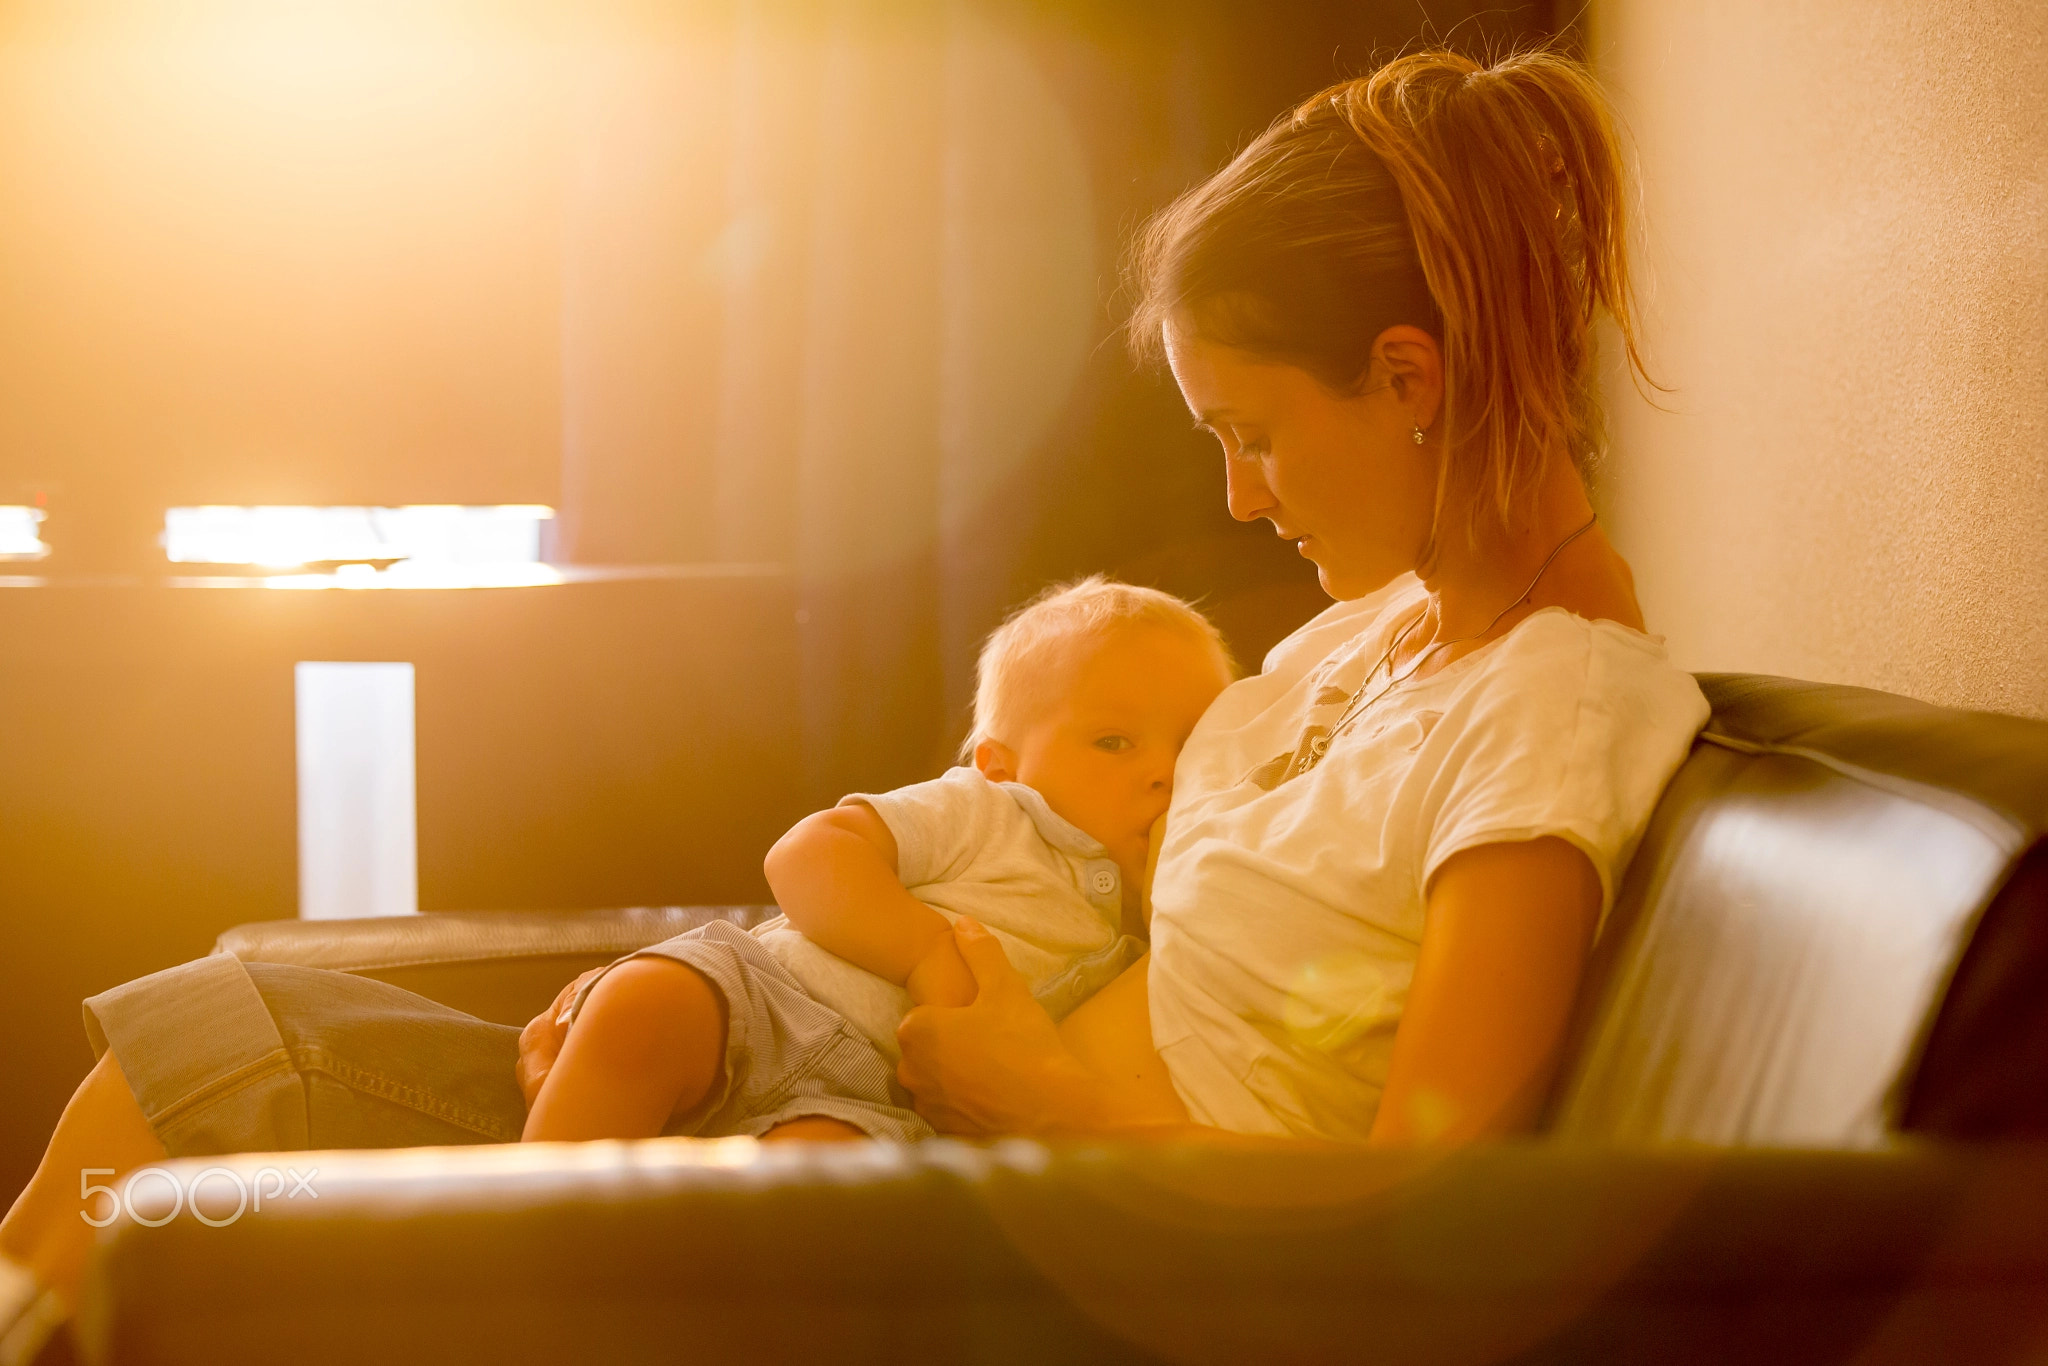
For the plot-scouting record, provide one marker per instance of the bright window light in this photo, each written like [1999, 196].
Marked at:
[358, 836]
[20, 533]
[432, 542]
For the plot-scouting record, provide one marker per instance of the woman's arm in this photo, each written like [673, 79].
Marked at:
[834, 875]
[1001, 1067]
[1503, 949]
[1502, 952]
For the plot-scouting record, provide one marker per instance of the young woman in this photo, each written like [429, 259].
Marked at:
[1386, 855]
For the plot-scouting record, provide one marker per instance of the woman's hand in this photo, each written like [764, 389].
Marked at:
[995, 1066]
[540, 1043]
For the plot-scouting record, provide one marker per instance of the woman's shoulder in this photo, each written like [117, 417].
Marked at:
[1555, 660]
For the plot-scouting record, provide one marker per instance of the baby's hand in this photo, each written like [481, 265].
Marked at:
[540, 1043]
[941, 977]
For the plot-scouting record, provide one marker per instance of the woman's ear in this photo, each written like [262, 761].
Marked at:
[996, 762]
[1414, 366]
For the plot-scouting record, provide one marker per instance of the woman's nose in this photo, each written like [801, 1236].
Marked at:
[1246, 493]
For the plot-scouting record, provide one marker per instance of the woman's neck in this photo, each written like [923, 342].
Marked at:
[1471, 584]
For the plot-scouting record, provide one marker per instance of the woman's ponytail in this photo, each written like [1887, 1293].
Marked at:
[1485, 204]
[1512, 180]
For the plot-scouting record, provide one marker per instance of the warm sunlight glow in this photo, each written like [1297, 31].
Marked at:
[21, 534]
[428, 540]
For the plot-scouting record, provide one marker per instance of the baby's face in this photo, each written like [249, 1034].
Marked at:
[1102, 752]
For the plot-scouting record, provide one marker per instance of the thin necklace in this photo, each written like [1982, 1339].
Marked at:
[1354, 708]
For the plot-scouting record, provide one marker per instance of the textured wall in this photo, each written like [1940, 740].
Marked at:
[1848, 292]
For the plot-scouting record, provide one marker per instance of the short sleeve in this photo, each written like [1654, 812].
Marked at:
[941, 825]
[1573, 732]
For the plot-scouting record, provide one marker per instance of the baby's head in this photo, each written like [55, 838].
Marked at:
[1087, 693]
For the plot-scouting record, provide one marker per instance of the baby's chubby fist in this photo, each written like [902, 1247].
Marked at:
[941, 977]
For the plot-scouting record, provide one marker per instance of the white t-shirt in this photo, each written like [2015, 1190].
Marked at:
[996, 852]
[1288, 910]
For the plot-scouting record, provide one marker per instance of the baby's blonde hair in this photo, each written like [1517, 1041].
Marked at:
[1015, 654]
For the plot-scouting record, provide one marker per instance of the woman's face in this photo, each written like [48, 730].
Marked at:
[1339, 476]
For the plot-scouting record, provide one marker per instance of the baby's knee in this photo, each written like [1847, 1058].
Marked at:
[648, 1002]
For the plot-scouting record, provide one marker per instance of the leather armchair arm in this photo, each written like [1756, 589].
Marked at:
[497, 965]
[733, 1251]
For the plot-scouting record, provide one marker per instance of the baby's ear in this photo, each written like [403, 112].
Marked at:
[995, 761]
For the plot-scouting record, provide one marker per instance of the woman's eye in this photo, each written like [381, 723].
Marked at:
[1113, 744]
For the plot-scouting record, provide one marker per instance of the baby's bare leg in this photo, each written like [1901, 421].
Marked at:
[648, 1042]
[813, 1129]
[101, 1129]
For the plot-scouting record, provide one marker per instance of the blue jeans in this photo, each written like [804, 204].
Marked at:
[226, 1056]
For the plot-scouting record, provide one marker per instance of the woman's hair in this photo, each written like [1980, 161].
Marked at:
[1483, 204]
[1010, 676]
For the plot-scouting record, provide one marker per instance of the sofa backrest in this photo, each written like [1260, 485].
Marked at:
[1778, 966]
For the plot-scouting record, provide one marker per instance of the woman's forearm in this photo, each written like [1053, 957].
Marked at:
[1000, 1065]
[1073, 1102]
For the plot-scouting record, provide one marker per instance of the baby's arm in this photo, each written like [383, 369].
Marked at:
[834, 875]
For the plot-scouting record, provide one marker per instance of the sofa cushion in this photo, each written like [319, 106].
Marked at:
[1984, 1070]
[674, 1250]
[1794, 915]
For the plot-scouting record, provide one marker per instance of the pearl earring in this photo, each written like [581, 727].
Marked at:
[1418, 433]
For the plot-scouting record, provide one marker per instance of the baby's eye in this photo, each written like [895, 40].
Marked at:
[1114, 744]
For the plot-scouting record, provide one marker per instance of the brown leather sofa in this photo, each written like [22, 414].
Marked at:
[1805, 1118]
